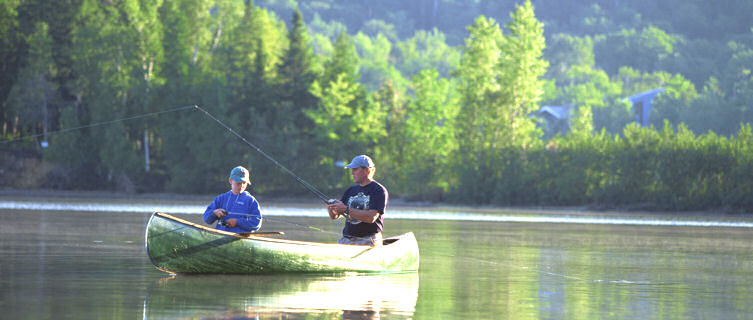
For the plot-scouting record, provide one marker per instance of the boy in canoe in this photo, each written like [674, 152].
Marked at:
[235, 210]
[362, 205]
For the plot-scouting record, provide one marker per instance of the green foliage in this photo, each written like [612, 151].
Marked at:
[428, 130]
[375, 65]
[426, 50]
[478, 86]
[565, 51]
[346, 123]
[460, 129]
[646, 50]
[34, 94]
[500, 87]
[11, 44]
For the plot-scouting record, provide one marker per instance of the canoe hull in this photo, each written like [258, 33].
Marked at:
[178, 246]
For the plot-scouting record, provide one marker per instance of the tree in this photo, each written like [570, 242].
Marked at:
[343, 62]
[390, 151]
[117, 59]
[565, 51]
[647, 50]
[521, 69]
[375, 62]
[429, 135]
[33, 98]
[711, 111]
[292, 131]
[10, 54]
[592, 89]
[478, 87]
[346, 122]
[426, 50]
[500, 87]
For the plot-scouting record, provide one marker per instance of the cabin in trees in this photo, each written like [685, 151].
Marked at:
[641, 105]
[556, 119]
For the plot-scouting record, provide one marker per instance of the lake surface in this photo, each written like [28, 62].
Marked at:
[76, 259]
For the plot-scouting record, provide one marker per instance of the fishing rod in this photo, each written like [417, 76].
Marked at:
[144, 115]
[308, 186]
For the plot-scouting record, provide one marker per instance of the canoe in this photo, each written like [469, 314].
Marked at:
[175, 245]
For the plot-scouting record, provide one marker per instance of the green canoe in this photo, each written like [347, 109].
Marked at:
[175, 245]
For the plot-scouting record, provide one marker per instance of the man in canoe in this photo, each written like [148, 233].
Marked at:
[235, 210]
[362, 205]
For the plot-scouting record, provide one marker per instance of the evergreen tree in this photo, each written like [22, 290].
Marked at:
[343, 62]
[347, 122]
[292, 142]
[296, 72]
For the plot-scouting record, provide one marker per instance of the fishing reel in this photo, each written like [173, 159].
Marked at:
[345, 214]
[221, 221]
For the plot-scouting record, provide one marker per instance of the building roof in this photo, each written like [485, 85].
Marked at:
[557, 112]
[645, 95]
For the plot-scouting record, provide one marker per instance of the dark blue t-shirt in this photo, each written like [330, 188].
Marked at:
[372, 196]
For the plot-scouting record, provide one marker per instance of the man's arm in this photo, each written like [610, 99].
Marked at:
[368, 215]
[209, 214]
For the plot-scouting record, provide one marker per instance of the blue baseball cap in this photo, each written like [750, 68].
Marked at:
[240, 174]
[362, 161]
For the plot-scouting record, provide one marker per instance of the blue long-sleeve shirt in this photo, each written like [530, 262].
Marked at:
[242, 207]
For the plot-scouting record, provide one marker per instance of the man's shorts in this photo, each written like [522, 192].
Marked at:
[372, 240]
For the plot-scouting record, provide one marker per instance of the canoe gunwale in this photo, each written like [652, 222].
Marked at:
[262, 237]
[255, 237]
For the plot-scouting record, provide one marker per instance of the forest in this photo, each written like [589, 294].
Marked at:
[444, 95]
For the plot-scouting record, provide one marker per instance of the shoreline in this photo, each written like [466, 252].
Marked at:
[80, 195]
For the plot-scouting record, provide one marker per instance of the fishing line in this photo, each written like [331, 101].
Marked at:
[101, 123]
[308, 186]
[553, 274]
[301, 225]
[530, 269]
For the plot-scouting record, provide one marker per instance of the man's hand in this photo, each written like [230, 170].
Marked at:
[335, 208]
[219, 213]
[231, 223]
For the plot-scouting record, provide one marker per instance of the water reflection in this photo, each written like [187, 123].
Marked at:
[391, 296]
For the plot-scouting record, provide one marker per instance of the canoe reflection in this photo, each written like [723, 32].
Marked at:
[292, 296]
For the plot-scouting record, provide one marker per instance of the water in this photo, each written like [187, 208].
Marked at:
[86, 260]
